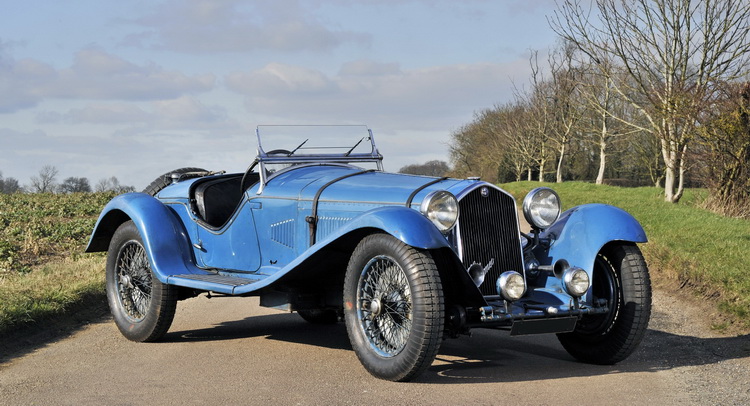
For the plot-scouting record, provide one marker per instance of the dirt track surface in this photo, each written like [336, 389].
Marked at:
[230, 351]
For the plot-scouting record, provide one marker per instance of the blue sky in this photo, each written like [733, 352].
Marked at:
[136, 88]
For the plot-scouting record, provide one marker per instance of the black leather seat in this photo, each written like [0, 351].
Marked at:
[216, 199]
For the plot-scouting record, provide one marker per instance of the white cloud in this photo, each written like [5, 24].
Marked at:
[205, 26]
[134, 160]
[185, 113]
[23, 83]
[364, 67]
[95, 74]
[279, 79]
[109, 113]
[426, 98]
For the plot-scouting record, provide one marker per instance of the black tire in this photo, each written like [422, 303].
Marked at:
[165, 180]
[319, 316]
[393, 307]
[621, 277]
[143, 308]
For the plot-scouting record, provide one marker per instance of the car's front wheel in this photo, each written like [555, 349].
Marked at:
[393, 307]
[143, 308]
[621, 278]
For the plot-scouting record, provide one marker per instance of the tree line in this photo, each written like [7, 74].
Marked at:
[45, 181]
[636, 92]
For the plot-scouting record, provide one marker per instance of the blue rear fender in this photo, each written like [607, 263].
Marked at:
[583, 231]
[164, 237]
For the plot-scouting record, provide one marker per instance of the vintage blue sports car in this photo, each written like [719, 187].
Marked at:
[406, 261]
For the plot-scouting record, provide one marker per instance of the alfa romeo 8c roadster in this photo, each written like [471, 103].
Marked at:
[315, 226]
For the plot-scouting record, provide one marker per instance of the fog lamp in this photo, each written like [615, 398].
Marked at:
[511, 285]
[576, 281]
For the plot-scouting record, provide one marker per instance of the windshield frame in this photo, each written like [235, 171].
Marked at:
[340, 155]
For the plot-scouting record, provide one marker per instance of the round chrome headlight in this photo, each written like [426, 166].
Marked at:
[441, 208]
[541, 207]
[511, 286]
[576, 281]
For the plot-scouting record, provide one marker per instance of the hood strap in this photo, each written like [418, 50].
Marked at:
[421, 188]
[312, 219]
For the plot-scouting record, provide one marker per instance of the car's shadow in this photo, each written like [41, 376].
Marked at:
[490, 355]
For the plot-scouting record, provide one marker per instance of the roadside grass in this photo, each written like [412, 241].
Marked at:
[49, 290]
[689, 247]
[43, 270]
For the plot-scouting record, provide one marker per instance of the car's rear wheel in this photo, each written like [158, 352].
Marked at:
[165, 180]
[621, 277]
[143, 308]
[393, 307]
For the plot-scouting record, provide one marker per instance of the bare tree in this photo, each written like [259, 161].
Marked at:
[520, 144]
[429, 168]
[45, 182]
[673, 51]
[112, 184]
[9, 185]
[539, 107]
[476, 149]
[724, 141]
[608, 116]
[565, 106]
[465, 150]
[75, 185]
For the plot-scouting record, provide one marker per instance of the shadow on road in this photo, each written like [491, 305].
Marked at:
[284, 327]
[28, 338]
[490, 355]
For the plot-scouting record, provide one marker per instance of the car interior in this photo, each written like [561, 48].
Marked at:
[216, 198]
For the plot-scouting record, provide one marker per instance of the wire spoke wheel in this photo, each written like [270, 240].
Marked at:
[384, 305]
[142, 306]
[133, 280]
[393, 307]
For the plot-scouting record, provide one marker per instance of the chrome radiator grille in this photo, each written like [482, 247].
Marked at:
[488, 232]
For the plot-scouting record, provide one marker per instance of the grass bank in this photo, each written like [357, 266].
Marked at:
[43, 270]
[688, 246]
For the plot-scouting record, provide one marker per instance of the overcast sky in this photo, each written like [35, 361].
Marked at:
[136, 88]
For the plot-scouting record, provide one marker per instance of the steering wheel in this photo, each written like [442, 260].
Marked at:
[279, 152]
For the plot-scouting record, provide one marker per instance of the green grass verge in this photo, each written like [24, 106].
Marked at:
[49, 290]
[697, 248]
[43, 270]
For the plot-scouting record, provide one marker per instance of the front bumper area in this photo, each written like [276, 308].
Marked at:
[524, 318]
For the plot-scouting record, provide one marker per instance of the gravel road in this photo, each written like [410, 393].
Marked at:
[230, 351]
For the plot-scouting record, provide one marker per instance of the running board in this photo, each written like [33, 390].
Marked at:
[215, 282]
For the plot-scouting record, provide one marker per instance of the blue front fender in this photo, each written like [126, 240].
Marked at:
[408, 225]
[163, 235]
[582, 231]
